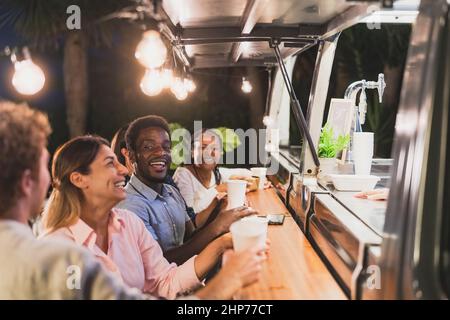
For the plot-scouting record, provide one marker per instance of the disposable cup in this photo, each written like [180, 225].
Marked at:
[362, 152]
[249, 233]
[236, 193]
[260, 172]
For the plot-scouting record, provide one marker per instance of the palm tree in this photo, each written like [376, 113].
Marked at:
[42, 23]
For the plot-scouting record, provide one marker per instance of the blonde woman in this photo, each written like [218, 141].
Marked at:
[88, 182]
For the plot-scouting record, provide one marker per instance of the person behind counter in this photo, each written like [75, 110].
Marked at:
[33, 269]
[88, 182]
[159, 205]
[202, 182]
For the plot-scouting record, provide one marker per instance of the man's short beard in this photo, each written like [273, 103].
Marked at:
[156, 180]
[151, 179]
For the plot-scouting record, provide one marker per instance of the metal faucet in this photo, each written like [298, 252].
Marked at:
[361, 109]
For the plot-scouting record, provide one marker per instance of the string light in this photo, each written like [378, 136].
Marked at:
[246, 85]
[28, 78]
[189, 84]
[151, 83]
[151, 51]
[179, 89]
[166, 77]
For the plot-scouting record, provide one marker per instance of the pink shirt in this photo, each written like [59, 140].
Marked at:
[134, 255]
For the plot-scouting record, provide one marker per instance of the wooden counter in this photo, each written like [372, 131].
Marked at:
[293, 270]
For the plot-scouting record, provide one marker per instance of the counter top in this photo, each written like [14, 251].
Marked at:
[293, 270]
[370, 212]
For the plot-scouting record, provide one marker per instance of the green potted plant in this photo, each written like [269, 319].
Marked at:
[230, 141]
[330, 146]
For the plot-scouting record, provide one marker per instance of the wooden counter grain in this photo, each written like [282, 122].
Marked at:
[293, 270]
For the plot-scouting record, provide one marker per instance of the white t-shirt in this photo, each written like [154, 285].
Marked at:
[194, 192]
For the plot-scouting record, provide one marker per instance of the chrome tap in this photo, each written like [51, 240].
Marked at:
[359, 117]
[361, 110]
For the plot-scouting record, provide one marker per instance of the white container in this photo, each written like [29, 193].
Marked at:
[260, 172]
[362, 152]
[236, 193]
[249, 233]
[347, 182]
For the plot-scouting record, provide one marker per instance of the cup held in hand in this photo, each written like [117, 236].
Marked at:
[236, 193]
[249, 233]
[260, 173]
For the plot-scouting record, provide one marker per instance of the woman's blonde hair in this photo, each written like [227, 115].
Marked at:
[64, 205]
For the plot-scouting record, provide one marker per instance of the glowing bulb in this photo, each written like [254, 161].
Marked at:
[178, 89]
[246, 86]
[28, 78]
[151, 51]
[166, 78]
[190, 85]
[151, 83]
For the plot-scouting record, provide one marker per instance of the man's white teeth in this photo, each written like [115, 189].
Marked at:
[158, 163]
[120, 184]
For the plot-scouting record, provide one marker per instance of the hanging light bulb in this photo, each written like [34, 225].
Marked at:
[166, 77]
[189, 84]
[179, 89]
[246, 85]
[28, 78]
[151, 51]
[151, 83]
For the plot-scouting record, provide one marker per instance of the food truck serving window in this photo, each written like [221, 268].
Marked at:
[362, 53]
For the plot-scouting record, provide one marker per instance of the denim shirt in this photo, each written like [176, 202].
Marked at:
[164, 215]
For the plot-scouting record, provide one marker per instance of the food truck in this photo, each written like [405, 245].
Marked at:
[337, 239]
[394, 249]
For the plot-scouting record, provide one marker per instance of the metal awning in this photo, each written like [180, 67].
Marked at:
[218, 33]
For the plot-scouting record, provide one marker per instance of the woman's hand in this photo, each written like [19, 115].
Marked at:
[221, 196]
[221, 187]
[240, 270]
[377, 194]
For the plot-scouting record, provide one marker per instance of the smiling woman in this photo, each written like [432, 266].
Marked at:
[64, 207]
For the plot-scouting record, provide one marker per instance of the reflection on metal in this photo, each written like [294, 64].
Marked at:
[317, 98]
[339, 235]
[358, 275]
[252, 13]
[410, 149]
[295, 105]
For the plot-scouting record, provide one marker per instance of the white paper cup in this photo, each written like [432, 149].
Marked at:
[249, 233]
[362, 152]
[259, 172]
[236, 193]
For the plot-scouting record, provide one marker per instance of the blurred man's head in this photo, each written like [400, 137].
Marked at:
[148, 143]
[24, 175]
[119, 146]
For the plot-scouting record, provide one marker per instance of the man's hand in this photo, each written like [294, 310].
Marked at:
[225, 218]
